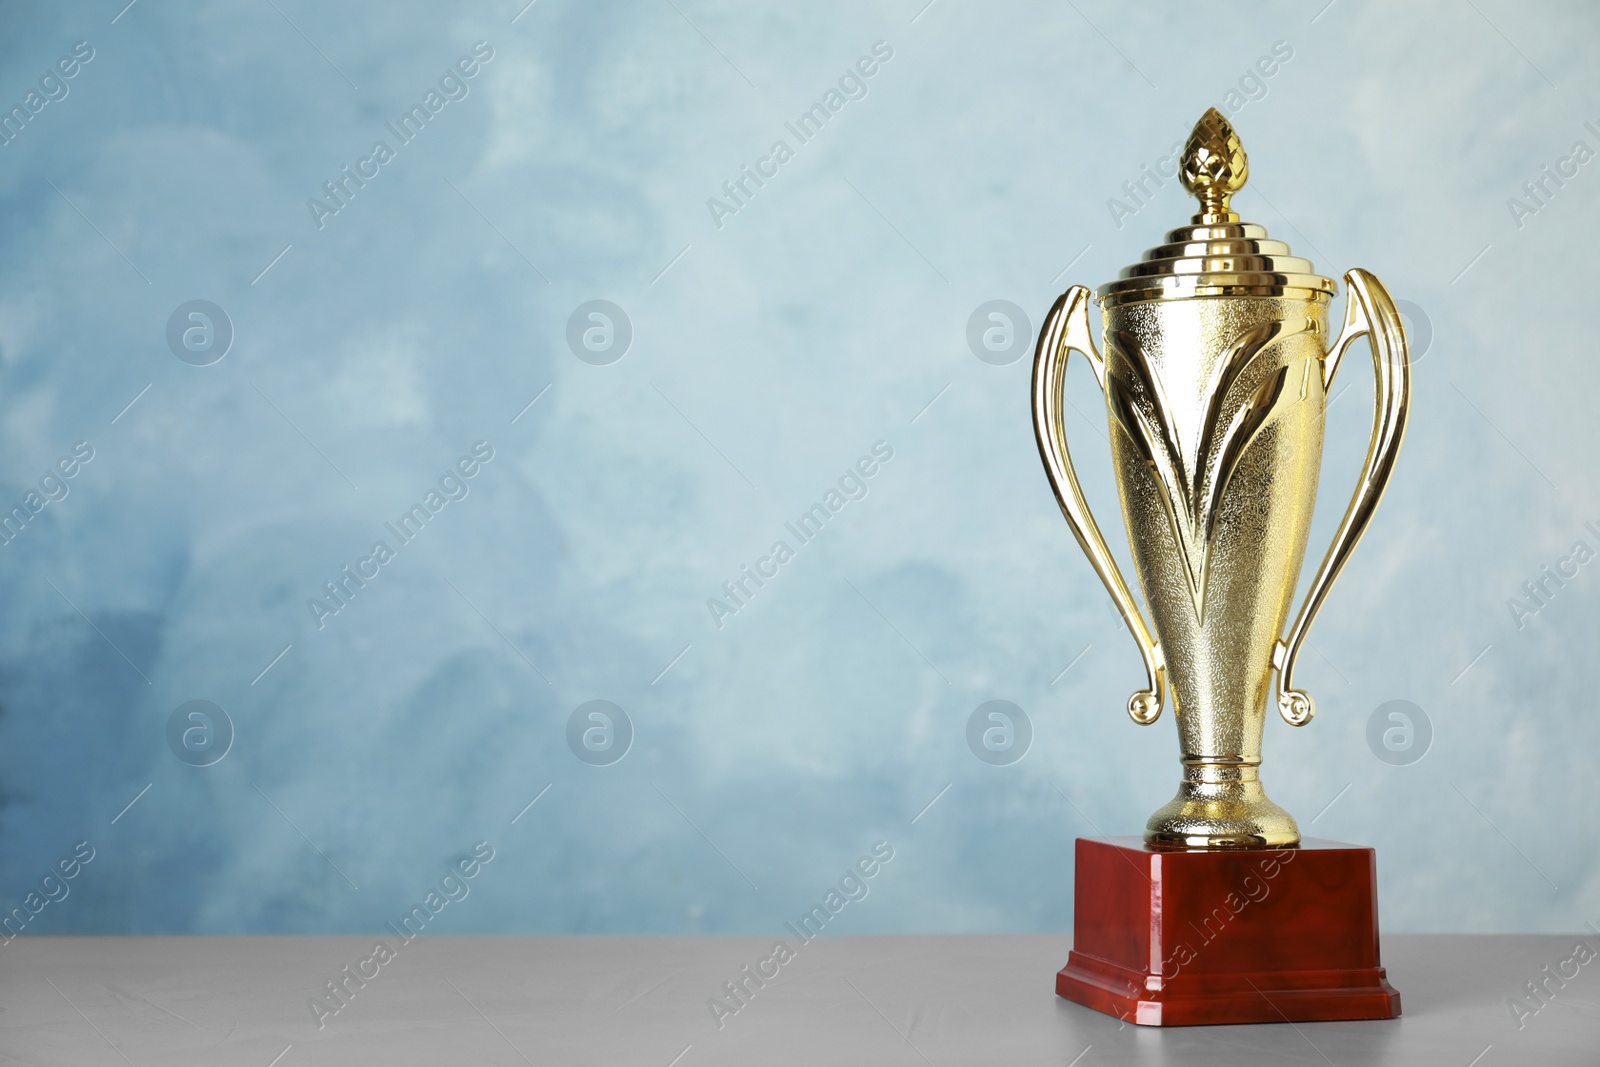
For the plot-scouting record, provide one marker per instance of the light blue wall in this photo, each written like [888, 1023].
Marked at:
[826, 315]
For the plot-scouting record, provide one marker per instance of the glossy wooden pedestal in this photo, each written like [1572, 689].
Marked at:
[1171, 938]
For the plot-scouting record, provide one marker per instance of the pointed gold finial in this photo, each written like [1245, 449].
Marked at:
[1214, 167]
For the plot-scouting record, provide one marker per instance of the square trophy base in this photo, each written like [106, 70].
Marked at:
[1181, 938]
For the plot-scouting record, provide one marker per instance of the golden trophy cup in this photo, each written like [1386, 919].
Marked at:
[1216, 366]
[1216, 370]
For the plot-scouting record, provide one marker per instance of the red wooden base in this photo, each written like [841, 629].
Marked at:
[1171, 938]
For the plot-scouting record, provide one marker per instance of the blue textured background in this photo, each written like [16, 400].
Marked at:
[776, 349]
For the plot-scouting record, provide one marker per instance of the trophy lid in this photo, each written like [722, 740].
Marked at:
[1217, 254]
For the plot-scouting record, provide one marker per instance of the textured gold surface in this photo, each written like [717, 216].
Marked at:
[1216, 439]
[1216, 371]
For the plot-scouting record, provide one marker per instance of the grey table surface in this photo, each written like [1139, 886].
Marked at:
[935, 1000]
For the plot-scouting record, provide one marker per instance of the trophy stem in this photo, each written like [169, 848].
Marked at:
[1221, 805]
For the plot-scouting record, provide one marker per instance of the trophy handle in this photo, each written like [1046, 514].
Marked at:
[1067, 328]
[1368, 310]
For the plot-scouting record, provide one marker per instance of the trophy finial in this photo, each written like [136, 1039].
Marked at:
[1214, 167]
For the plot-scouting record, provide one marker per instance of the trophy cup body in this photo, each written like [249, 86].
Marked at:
[1216, 408]
[1215, 359]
